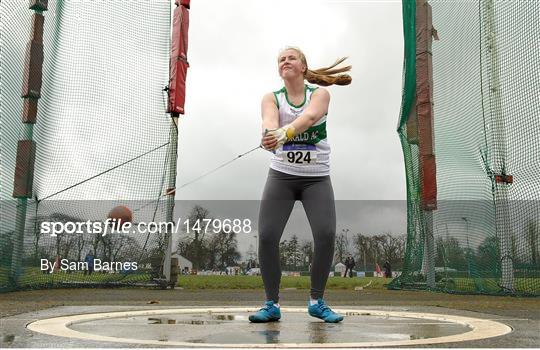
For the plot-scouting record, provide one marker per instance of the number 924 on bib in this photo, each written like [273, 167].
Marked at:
[301, 154]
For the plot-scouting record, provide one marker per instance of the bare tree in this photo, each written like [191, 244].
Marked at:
[378, 248]
[284, 254]
[66, 246]
[362, 248]
[341, 247]
[532, 237]
[224, 248]
[306, 253]
[127, 248]
[6, 248]
[96, 239]
[393, 248]
[60, 238]
[37, 234]
[196, 255]
[80, 242]
[458, 256]
[251, 254]
[377, 242]
[294, 257]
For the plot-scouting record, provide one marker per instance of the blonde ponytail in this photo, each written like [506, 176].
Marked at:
[325, 76]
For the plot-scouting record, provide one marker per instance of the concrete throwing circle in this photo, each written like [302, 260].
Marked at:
[229, 327]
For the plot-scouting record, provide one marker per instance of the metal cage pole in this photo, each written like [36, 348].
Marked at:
[502, 180]
[178, 66]
[425, 133]
[171, 183]
[26, 147]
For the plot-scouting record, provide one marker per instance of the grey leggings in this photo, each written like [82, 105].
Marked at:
[317, 197]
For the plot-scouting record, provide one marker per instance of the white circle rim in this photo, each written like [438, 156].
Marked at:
[480, 328]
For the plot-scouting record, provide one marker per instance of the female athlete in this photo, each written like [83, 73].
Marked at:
[294, 124]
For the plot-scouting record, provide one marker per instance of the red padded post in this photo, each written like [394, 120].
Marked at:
[30, 107]
[424, 106]
[178, 62]
[24, 169]
[33, 63]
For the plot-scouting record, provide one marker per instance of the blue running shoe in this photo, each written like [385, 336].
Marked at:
[269, 313]
[322, 311]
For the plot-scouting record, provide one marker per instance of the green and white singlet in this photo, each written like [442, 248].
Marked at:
[308, 154]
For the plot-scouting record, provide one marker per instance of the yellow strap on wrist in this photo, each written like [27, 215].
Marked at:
[290, 132]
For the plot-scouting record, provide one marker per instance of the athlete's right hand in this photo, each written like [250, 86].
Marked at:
[269, 142]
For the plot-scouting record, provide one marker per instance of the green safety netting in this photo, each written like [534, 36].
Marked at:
[484, 234]
[102, 136]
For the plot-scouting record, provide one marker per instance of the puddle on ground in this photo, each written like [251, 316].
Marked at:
[154, 320]
[228, 328]
[215, 319]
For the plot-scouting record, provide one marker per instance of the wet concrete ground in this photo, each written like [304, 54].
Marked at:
[233, 328]
[524, 317]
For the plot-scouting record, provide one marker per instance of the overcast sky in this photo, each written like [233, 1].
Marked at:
[233, 49]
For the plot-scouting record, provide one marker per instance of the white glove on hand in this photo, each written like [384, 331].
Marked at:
[283, 134]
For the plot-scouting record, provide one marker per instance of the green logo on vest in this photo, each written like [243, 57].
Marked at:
[312, 135]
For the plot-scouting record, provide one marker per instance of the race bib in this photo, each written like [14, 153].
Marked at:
[300, 153]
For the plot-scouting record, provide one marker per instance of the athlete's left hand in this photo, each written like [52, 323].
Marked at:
[268, 141]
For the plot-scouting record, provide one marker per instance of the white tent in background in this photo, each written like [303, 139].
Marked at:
[183, 263]
[339, 269]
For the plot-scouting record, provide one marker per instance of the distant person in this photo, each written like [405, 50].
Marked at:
[387, 269]
[378, 271]
[352, 264]
[347, 264]
[348, 267]
[89, 260]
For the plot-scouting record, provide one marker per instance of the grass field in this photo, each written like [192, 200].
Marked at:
[255, 282]
[34, 278]
[492, 284]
